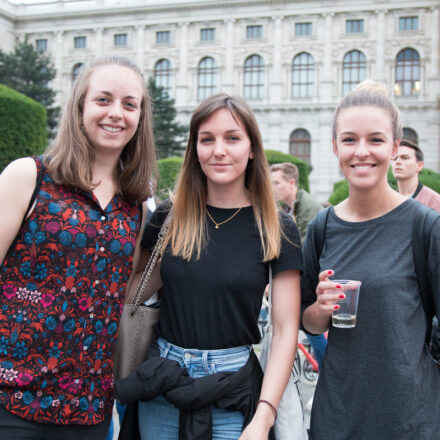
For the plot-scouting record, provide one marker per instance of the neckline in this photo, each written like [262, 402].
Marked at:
[227, 209]
[395, 211]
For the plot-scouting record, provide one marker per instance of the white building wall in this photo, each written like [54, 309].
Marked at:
[278, 114]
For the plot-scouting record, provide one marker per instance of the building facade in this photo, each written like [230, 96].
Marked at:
[292, 60]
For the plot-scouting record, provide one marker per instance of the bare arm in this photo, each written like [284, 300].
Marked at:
[141, 257]
[285, 317]
[17, 183]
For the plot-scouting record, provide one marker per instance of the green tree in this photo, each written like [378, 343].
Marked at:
[169, 135]
[30, 72]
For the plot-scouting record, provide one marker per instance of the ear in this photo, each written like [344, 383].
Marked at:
[395, 149]
[251, 155]
[335, 148]
[420, 166]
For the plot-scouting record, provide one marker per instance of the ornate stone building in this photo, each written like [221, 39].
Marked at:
[291, 59]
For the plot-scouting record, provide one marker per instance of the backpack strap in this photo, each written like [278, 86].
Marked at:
[320, 229]
[423, 224]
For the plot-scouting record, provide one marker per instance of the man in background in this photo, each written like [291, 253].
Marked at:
[406, 168]
[303, 208]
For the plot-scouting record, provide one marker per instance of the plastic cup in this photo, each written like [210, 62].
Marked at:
[345, 316]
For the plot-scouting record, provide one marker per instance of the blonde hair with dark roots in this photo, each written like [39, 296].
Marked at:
[370, 94]
[70, 157]
[187, 231]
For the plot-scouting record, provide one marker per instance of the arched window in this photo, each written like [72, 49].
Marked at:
[77, 68]
[207, 78]
[353, 70]
[163, 75]
[409, 133]
[303, 71]
[300, 144]
[407, 73]
[254, 77]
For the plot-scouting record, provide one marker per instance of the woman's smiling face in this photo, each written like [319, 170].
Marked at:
[364, 145]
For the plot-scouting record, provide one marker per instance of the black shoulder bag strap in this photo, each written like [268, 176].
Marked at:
[423, 224]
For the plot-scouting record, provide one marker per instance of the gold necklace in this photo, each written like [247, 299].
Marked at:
[225, 221]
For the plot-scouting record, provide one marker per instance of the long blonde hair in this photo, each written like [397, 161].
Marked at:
[70, 157]
[187, 230]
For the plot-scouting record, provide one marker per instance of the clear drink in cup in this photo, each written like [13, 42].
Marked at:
[345, 316]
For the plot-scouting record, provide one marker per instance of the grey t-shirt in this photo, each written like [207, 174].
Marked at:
[378, 380]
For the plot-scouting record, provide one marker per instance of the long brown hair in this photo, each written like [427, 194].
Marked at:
[70, 157]
[187, 231]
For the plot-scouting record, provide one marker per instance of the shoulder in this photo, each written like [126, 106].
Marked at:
[308, 200]
[155, 222]
[289, 229]
[20, 175]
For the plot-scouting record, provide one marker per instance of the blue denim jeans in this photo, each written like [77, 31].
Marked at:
[319, 344]
[159, 420]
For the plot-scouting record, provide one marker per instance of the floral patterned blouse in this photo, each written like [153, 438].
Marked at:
[62, 286]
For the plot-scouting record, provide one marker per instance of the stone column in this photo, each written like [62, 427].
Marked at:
[228, 80]
[140, 33]
[276, 83]
[380, 47]
[435, 42]
[98, 41]
[59, 87]
[182, 77]
[327, 84]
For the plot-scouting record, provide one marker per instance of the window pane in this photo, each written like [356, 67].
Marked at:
[207, 34]
[207, 78]
[163, 75]
[163, 37]
[254, 77]
[120, 39]
[353, 71]
[300, 143]
[354, 26]
[254, 31]
[303, 29]
[79, 42]
[408, 72]
[41, 45]
[303, 76]
[77, 68]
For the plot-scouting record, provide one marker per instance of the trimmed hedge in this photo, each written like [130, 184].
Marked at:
[427, 177]
[23, 125]
[274, 157]
[169, 169]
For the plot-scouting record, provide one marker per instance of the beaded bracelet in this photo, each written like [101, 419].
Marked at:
[271, 406]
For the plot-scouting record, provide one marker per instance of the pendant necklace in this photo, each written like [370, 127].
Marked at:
[225, 221]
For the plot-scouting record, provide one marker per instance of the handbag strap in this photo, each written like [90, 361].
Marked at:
[269, 322]
[146, 275]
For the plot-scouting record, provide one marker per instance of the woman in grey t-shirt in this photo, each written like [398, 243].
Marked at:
[378, 379]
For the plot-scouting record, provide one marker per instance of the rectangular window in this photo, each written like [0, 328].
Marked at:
[302, 29]
[79, 42]
[120, 39]
[255, 31]
[408, 23]
[163, 37]
[41, 44]
[207, 34]
[354, 26]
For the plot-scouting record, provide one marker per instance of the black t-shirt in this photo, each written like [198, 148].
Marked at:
[214, 302]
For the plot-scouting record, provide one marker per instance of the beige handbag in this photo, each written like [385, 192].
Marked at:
[136, 326]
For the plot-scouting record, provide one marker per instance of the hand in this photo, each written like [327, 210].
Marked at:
[326, 298]
[255, 431]
[258, 428]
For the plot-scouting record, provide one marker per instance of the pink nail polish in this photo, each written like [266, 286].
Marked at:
[337, 307]
[330, 272]
[338, 286]
[342, 296]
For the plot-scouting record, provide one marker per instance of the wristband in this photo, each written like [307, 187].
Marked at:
[271, 406]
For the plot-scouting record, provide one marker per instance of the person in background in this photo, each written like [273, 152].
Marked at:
[70, 224]
[407, 164]
[303, 208]
[378, 380]
[224, 234]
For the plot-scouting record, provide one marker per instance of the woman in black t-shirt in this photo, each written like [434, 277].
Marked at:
[224, 233]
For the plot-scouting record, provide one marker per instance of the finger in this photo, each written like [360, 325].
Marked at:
[330, 298]
[323, 276]
[324, 286]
